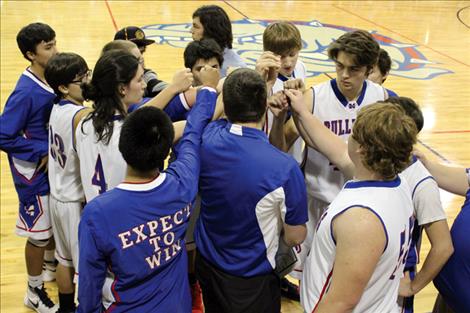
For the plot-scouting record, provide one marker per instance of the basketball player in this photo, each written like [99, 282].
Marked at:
[65, 72]
[428, 210]
[284, 40]
[116, 84]
[198, 55]
[430, 216]
[250, 192]
[336, 103]
[454, 279]
[137, 36]
[381, 70]
[211, 21]
[132, 255]
[24, 137]
[359, 245]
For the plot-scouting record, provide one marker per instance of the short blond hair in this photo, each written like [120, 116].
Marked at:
[281, 38]
[386, 136]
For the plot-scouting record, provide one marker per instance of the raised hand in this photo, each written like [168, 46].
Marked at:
[297, 84]
[278, 103]
[268, 66]
[182, 80]
[209, 76]
[296, 100]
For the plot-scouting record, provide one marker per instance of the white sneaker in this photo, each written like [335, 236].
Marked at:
[38, 300]
[48, 271]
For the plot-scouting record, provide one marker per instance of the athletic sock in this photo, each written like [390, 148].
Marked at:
[66, 301]
[35, 281]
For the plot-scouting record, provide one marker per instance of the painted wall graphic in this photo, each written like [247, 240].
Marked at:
[407, 60]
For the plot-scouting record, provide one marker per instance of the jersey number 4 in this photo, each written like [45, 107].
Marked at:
[98, 178]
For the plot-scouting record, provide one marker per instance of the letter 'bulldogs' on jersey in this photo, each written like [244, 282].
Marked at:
[323, 179]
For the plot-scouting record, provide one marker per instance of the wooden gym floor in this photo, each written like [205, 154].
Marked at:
[428, 41]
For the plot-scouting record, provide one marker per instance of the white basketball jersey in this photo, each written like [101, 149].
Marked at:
[391, 202]
[102, 167]
[424, 192]
[323, 179]
[63, 166]
[297, 149]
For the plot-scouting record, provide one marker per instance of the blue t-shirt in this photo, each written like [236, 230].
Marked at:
[248, 188]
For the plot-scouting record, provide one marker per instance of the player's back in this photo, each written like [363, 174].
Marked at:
[323, 179]
[391, 202]
[101, 165]
[63, 164]
[244, 185]
[140, 228]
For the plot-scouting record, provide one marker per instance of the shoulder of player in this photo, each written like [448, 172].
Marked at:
[80, 115]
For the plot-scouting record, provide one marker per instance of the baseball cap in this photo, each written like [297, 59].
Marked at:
[134, 34]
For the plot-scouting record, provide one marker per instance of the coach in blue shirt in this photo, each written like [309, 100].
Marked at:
[251, 194]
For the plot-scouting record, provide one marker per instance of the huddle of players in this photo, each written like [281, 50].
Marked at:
[262, 191]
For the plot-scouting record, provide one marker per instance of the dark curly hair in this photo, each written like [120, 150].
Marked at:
[386, 136]
[358, 43]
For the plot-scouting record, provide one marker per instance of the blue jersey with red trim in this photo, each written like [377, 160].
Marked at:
[24, 134]
[248, 190]
[132, 249]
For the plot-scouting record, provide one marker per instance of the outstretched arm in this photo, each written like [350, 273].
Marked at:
[182, 80]
[450, 178]
[318, 136]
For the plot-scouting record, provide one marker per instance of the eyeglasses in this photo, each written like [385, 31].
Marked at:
[82, 78]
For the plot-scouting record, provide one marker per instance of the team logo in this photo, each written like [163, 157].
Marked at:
[407, 61]
[30, 210]
[139, 34]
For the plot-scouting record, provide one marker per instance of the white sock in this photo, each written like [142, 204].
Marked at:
[35, 281]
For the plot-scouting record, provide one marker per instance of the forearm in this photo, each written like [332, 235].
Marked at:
[329, 305]
[24, 149]
[323, 140]
[179, 129]
[163, 98]
[435, 260]
[187, 164]
[276, 136]
[452, 179]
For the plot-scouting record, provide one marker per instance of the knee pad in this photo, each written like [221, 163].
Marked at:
[38, 243]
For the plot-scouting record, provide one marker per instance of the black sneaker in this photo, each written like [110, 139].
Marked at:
[38, 300]
[289, 290]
